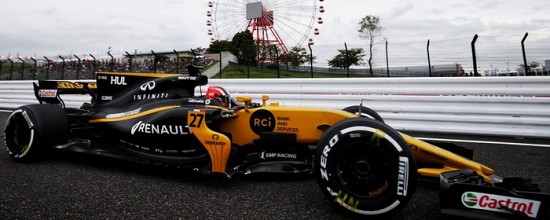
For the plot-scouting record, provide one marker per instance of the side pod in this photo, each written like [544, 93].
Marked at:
[217, 144]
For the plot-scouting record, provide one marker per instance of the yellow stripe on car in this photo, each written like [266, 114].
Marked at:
[148, 112]
[156, 75]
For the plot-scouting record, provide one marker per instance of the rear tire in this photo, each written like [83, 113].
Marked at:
[31, 129]
[365, 168]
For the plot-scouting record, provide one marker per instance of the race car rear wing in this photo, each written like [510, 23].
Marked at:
[48, 91]
[110, 86]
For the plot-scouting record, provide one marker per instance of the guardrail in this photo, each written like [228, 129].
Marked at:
[506, 106]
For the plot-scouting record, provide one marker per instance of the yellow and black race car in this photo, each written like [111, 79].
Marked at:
[363, 166]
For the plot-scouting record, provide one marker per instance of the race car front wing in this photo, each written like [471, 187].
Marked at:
[465, 195]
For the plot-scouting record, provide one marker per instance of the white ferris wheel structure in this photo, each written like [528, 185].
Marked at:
[284, 24]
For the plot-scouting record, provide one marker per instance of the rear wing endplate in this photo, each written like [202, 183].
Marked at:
[48, 91]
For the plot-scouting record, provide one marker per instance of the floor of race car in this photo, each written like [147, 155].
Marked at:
[77, 186]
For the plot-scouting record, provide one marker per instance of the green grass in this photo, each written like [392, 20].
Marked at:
[235, 72]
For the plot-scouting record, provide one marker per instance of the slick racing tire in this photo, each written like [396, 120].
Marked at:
[365, 112]
[365, 168]
[31, 129]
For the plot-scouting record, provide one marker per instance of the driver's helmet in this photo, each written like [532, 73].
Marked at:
[220, 94]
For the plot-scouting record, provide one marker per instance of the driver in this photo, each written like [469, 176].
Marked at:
[220, 94]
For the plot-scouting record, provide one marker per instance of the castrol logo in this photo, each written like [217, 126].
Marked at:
[497, 203]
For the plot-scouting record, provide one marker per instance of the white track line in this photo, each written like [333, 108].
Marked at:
[484, 142]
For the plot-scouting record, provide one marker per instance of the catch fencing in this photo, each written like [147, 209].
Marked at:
[491, 106]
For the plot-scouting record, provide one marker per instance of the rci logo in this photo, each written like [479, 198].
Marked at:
[262, 121]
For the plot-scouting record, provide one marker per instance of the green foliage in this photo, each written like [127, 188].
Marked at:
[295, 57]
[354, 57]
[199, 50]
[244, 48]
[270, 52]
[219, 46]
[530, 65]
[369, 28]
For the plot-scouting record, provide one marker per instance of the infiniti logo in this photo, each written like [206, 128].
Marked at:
[148, 86]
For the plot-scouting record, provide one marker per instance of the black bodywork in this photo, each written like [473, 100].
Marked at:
[147, 115]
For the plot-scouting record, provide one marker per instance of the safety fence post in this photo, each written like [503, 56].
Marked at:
[177, 62]
[62, 67]
[429, 61]
[1, 65]
[11, 68]
[77, 66]
[48, 68]
[22, 68]
[346, 58]
[154, 61]
[221, 67]
[112, 61]
[277, 60]
[94, 66]
[129, 61]
[310, 57]
[387, 60]
[474, 55]
[526, 67]
[35, 68]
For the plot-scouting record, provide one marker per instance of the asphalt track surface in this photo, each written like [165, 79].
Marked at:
[72, 186]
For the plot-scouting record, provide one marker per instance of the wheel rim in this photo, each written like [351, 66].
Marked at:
[364, 170]
[18, 135]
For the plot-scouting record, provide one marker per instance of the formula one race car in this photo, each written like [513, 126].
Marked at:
[363, 166]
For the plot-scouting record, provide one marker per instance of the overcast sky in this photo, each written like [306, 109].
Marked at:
[60, 27]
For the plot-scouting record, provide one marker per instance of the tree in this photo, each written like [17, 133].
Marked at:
[243, 47]
[272, 51]
[354, 57]
[530, 67]
[198, 51]
[369, 28]
[295, 57]
[219, 46]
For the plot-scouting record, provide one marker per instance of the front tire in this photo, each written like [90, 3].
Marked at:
[363, 111]
[365, 168]
[31, 129]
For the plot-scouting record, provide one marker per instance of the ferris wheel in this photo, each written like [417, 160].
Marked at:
[285, 23]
